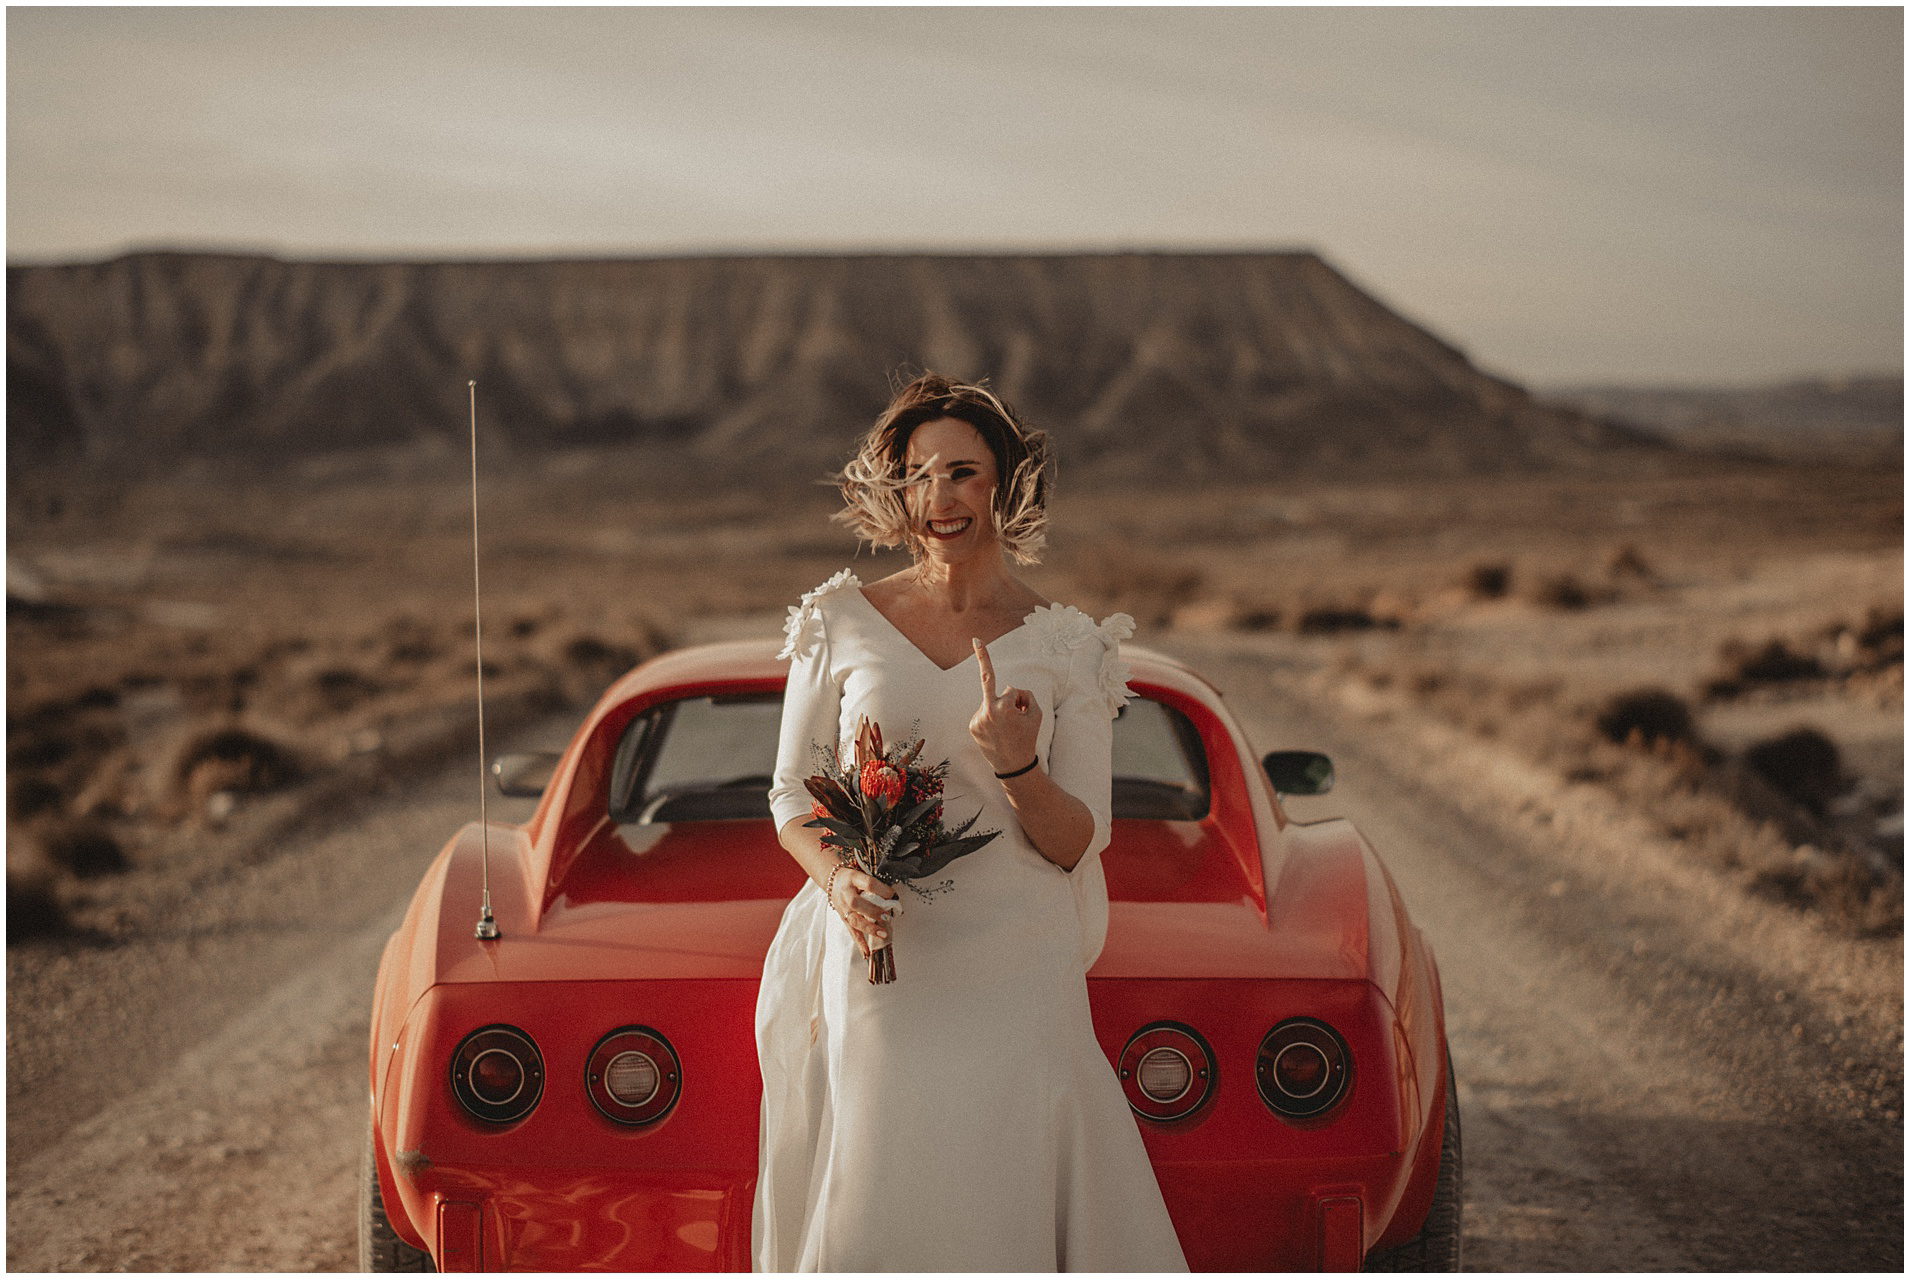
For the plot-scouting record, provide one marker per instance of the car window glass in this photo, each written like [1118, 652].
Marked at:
[710, 759]
[702, 758]
[1160, 770]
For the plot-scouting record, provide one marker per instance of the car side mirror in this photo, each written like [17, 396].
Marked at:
[1298, 772]
[525, 775]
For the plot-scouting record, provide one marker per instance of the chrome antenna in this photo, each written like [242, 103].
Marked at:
[486, 925]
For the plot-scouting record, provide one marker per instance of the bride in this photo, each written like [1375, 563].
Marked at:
[964, 1116]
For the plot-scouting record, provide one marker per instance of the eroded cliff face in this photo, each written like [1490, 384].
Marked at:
[1143, 364]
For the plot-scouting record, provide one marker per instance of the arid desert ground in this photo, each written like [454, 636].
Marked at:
[208, 673]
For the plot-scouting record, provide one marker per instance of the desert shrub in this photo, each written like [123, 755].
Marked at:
[1880, 638]
[1776, 663]
[30, 796]
[1880, 626]
[1490, 580]
[83, 849]
[1334, 619]
[588, 650]
[41, 750]
[1803, 765]
[1641, 716]
[234, 759]
[590, 665]
[1562, 591]
[1843, 885]
[1741, 666]
[341, 687]
[410, 641]
[33, 907]
[1258, 619]
[1627, 562]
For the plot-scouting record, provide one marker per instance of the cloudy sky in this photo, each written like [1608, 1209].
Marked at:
[1572, 195]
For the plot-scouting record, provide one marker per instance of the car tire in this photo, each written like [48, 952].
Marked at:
[379, 1247]
[1436, 1246]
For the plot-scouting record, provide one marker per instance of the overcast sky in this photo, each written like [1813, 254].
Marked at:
[1571, 195]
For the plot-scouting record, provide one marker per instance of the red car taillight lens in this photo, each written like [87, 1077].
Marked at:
[633, 1076]
[1167, 1071]
[1304, 1068]
[497, 1074]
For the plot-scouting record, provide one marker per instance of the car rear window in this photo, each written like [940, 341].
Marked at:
[710, 759]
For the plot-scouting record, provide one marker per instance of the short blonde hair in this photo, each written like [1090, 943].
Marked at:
[875, 481]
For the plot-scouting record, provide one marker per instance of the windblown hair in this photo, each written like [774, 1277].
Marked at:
[876, 482]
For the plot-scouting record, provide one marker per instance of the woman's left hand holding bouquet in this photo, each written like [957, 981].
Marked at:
[843, 884]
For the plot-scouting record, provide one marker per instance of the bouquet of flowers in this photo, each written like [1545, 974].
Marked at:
[885, 815]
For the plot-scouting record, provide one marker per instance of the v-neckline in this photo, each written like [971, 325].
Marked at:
[917, 648]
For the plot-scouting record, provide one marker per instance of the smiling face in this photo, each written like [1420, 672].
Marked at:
[950, 507]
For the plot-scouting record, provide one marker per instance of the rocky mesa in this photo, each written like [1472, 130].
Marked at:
[1148, 364]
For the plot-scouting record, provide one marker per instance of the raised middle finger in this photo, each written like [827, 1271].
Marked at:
[986, 665]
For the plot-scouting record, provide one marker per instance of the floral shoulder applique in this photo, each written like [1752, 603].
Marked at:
[804, 627]
[1113, 673]
[1059, 629]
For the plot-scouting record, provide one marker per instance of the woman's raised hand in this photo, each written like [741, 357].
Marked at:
[1007, 723]
[869, 923]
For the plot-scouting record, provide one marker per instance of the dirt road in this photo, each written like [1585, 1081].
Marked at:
[1656, 1073]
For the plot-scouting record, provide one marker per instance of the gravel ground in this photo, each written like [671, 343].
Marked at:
[1656, 1071]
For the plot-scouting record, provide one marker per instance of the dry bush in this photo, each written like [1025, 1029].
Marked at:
[1259, 618]
[83, 849]
[1562, 591]
[1842, 885]
[1742, 666]
[34, 908]
[340, 688]
[1878, 639]
[1626, 562]
[592, 664]
[1642, 716]
[1489, 580]
[1803, 765]
[29, 796]
[1334, 619]
[233, 759]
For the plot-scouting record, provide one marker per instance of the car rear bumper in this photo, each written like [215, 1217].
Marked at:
[565, 1188]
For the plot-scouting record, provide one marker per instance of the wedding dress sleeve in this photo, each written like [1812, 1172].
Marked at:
[1080, 758]
[812, 702]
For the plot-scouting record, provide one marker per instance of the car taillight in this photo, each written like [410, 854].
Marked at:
[1167, 1071]
[497, 1074]
[1304, 1068]
[633, 1075]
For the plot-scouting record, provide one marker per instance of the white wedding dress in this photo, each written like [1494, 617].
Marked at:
[963, 1117]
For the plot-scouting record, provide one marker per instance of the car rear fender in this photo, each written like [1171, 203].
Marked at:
[439, 928]
[1334, 887]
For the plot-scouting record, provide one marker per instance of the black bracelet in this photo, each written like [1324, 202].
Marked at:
[1028, 767]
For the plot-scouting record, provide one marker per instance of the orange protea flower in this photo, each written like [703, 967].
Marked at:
[880, 780]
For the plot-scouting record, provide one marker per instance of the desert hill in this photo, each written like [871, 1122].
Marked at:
[1144, 364]
[1856, 418]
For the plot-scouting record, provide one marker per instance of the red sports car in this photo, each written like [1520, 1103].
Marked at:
[582, 1092]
